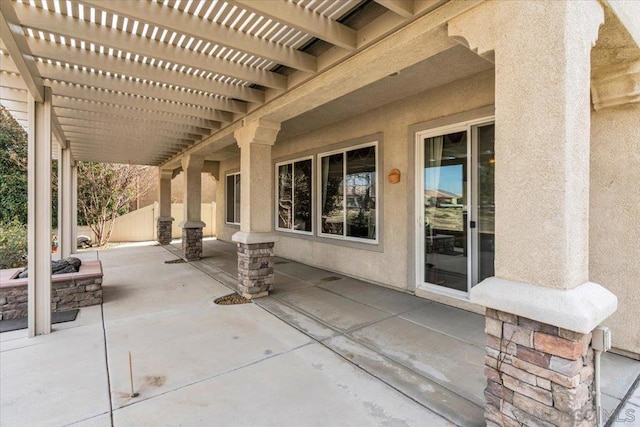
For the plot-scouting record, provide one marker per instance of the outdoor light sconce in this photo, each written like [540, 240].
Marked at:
[394, 176]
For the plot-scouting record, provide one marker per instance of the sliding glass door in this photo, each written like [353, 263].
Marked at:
[455, 207]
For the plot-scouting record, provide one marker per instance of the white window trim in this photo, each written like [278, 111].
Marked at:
[291, 162]
[344, 237]
[226, 197]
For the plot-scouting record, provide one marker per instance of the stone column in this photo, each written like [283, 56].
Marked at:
[164, 220]
[256, 238]
[541, 306]
[192, 225]
[66, 238]
[39, 221]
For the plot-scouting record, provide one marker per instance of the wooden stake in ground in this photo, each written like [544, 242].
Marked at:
[133, 394]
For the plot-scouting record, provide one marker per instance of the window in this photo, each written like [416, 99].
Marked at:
[233, 198]
[294, 195]
[348, 187]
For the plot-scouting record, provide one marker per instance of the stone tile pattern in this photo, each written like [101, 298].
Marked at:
[164, 232]
[192, 243]
[537, 374]
[65, 295]
[255, 268]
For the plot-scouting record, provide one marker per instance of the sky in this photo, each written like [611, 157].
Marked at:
[450, 178]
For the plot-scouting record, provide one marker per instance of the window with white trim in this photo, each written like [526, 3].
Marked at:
[348, 184]
[294, 195]
[233, 198]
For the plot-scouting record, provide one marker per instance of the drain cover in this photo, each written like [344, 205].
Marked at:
[331, 279]
[232, 299]
[175, 261]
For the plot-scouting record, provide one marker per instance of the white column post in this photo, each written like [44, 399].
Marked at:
[39, 222]
[164, 220]
[255, 266]
[74, 207]
[66, 239]
[192, 225]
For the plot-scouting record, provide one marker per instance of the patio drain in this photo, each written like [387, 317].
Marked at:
[175, 261]
[331, 279]
[232, 299]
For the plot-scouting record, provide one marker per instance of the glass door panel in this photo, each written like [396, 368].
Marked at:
[485, 201]
[445, 211]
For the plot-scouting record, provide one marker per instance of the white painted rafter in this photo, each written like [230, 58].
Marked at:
[404, 8]
[193, 26]
[102, 81]
[124, 120]
[303, 20]
[88, 32]
[140, 102]
[107, 63]
[115, 109]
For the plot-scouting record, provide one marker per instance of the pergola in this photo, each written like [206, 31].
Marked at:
[166, 82]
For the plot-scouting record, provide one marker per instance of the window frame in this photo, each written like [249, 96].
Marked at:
[372, 143]
[277, 189]
[226, 199]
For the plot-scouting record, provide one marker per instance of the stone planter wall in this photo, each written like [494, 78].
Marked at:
[68, 291]
[537, 374]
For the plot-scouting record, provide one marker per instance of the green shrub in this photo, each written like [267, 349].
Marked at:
[13, 244]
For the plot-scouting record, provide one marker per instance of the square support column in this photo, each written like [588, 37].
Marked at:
[164, 220]
[74, 207]
[256, 237]
[192, 225]
[39, 221]
[66, 238]
[541, 306]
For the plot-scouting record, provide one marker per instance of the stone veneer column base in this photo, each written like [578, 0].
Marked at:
[164, 231]
[537, 374]
[192, 243]
[255, 269]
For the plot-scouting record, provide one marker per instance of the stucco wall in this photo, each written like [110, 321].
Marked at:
[614, 251]
[388, 263]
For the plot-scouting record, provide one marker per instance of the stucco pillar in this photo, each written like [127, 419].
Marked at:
[164, 220]
[192, 225]
[66, 238]
[39, 217]
[541, 307]
[256, 238]
[74, 207]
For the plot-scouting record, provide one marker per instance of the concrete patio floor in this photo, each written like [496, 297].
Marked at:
[323, 349]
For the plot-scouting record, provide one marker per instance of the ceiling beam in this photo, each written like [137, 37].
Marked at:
[14, 106]
[138, 102]
[85, 58]
[11, 94]
[102, 81]
[115, 139]
[13, 39]
[304, 20]
[131, 127]
[123, 131]
[97, 107]
[125, 120]
[110, 38]
[11, 81]
[194, 26]
[404, 8]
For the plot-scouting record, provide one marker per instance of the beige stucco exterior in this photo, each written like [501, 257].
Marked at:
[614, 250]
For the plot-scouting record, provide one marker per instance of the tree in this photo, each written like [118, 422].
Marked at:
[105, 191]
[13, 170]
